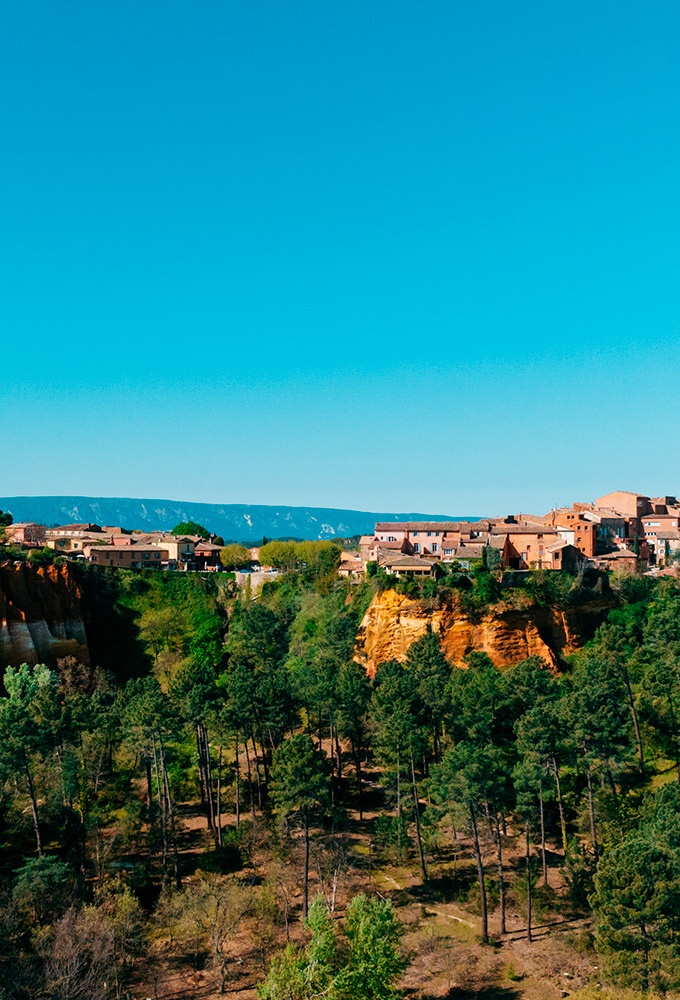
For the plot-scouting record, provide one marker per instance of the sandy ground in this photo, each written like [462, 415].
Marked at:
[443, 935]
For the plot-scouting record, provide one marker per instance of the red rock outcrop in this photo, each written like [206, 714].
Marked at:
[41, 616]
[508, 634]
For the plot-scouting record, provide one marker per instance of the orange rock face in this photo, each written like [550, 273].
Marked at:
[394, 621]
[41, 617]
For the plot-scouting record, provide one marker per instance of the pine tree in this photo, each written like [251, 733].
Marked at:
[300, 790]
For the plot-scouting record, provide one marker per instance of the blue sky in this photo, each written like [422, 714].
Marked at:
[383, 255]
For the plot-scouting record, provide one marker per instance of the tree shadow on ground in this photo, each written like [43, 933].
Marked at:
[445, 888]
[484, 993]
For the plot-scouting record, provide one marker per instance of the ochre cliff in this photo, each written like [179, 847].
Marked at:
[508, 634]
[41, 616]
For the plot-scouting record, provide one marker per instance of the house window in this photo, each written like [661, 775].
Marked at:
[435, 546]
[416, 547]
[448, 552]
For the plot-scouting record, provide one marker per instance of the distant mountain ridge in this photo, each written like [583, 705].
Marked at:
[242, 522]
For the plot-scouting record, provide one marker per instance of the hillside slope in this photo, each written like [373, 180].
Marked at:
[242, 522]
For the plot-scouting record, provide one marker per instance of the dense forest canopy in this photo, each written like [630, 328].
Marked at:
[227, 801]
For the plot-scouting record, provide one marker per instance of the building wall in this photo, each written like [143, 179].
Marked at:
[30, 534]
[128, 557]
[531, 548]
[630, 504]
[578, 530]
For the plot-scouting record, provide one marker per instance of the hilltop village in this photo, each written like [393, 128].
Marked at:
[620, 530]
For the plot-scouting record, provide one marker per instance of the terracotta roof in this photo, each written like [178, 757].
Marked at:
[468, 552]
[76, 527]
[524, 529]
[497, 541]
[416, 525]
[625, 493]
[134, 546]
[556, 546]
[404, 562]
[352, 566]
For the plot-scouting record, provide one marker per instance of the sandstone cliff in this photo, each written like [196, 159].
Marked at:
[393, 621]
[41, 616]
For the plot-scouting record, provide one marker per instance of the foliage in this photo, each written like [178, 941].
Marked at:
[315, 559]
[41, 557]
[235, 556]
[299, 779]
[637, 902]
[42, 887]
[366, 970]
[253, 717]
[190, 528]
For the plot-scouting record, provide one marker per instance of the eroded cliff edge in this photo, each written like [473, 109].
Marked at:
[41, 616]
[508, 634]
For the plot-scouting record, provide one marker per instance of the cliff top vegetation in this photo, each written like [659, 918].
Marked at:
[226, 801]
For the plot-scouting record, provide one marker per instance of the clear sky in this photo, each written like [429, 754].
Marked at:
[386, 255]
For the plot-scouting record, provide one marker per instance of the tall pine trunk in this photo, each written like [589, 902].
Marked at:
[149, 784]
[528, 861]
[480, 875]
[161, 806]
[560, 803]
[636, 724]
[219, 798]
[501, 879]
[338, 752]
[399, 807]
[591, 809]
[257, 771]
[208, 780]
[357, 765]
[34, 806]
[201, 775]
[171, 815]
[265, 766]
[416, 808]
[238, 781]
[305, 887]
[250, 781]
[543, 858]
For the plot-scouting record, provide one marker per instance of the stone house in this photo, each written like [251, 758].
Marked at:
[26, 533]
